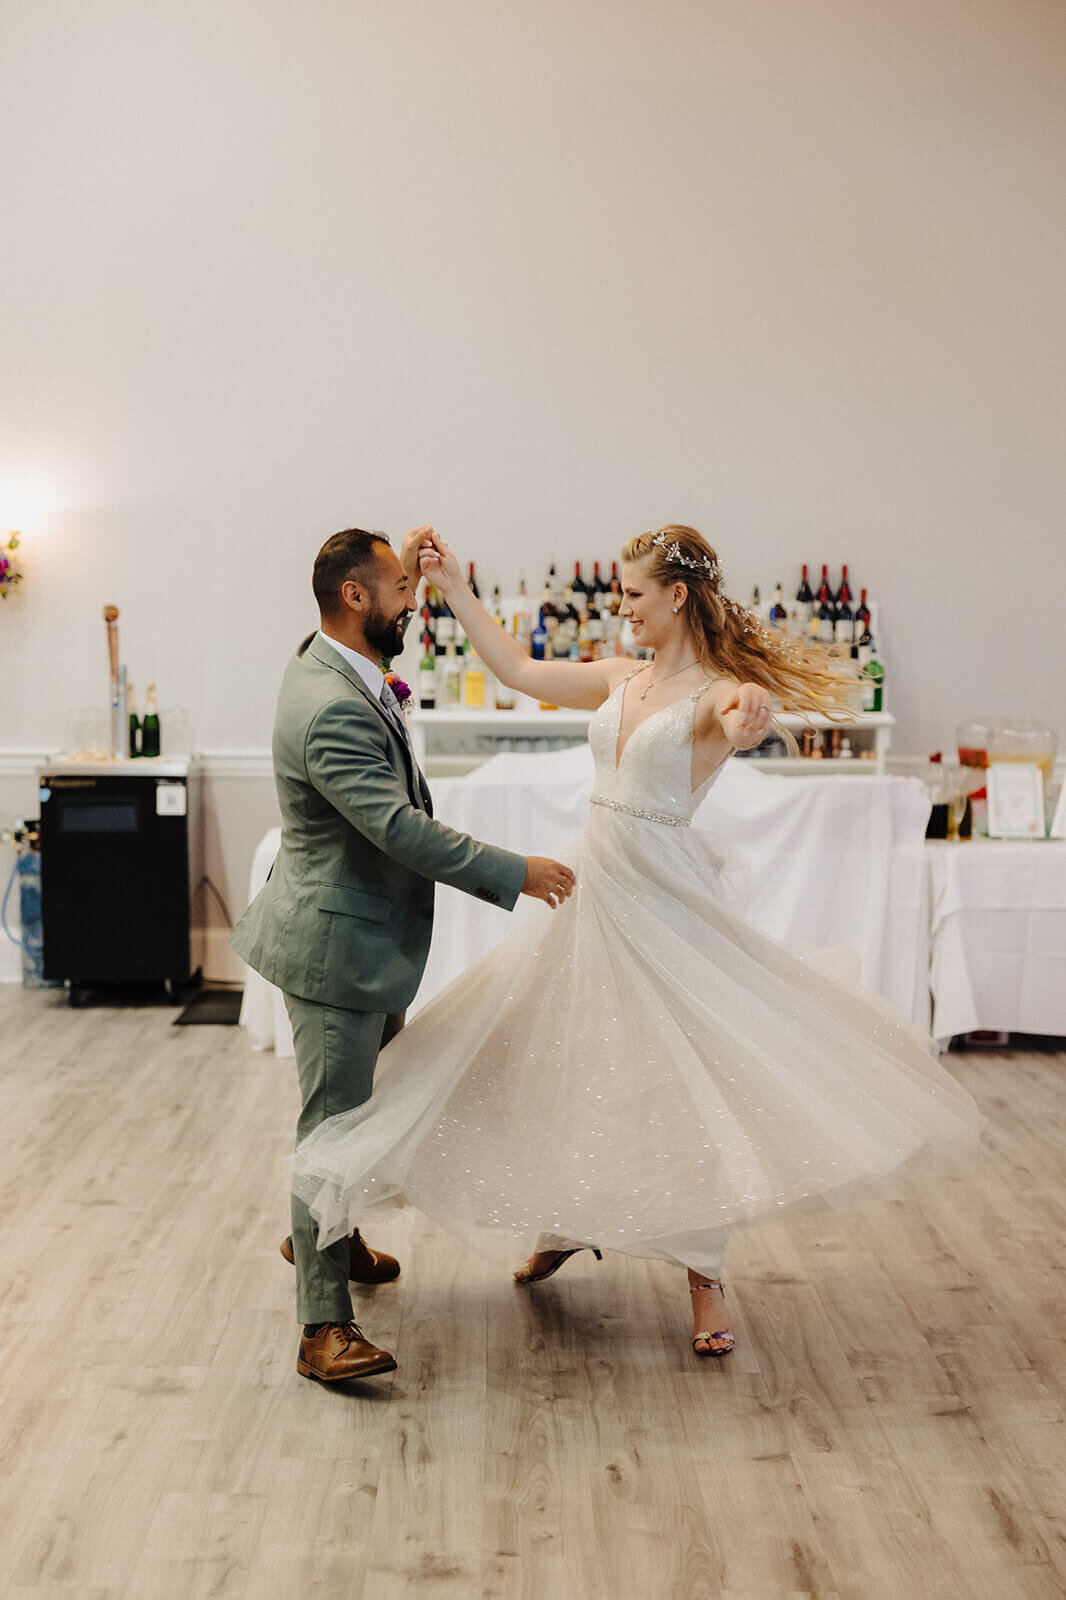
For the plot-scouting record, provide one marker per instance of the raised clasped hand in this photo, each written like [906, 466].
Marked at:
[438, 562]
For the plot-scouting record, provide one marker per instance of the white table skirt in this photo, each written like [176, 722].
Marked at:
[833, 861]
[997, 933]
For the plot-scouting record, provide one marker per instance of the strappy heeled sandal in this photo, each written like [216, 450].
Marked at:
[524, 1275]
[721, 1333]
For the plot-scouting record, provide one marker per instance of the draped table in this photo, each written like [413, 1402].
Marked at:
[997, 936]
[832, 861]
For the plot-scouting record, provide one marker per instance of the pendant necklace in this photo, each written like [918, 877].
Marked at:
[669, 675]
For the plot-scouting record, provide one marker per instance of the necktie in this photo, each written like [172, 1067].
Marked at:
[392, 706]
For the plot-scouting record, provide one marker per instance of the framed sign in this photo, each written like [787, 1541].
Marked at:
[1058, 821]
[1016, 801]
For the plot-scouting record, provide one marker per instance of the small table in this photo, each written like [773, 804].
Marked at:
[997, 934]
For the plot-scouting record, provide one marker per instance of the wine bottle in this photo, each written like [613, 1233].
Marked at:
[778, 614]
[150, 737]
[805, 599]
[862, 616]
[824, 591]
[826, 620]
[843, 594]
[844, 624]
[580, 591]
[472, 583]
[874, 680]
[427, 675]
[615, 589]
[601, 594]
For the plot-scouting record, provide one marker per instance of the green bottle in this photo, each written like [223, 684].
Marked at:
[874, 675]
[150, 724]
[135, 725]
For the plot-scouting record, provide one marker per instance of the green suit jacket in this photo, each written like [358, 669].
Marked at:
[346, 915]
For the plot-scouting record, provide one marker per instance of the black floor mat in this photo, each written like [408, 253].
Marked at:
[213, 1005]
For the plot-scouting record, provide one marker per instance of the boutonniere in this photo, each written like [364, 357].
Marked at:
[401, 690]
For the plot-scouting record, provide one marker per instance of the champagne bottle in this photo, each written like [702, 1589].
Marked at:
[874, 680]
[135, 726]
[150, 737]
[805, 599]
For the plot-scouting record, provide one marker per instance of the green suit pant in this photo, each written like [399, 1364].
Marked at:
[336, 1053]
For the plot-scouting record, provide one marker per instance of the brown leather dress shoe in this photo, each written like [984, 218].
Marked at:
[337, 1350]
[364, 1265]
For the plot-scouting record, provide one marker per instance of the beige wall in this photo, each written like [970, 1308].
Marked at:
[545, 275]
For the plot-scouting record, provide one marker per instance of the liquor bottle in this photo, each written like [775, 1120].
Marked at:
[497, 607]
[551, 584]
[874, 680]
[427, 675]
[474, 681]
[756, 600]
[150, 740]
[135, 726]
[843, 594]
[862, 616]
[778, 614]
[805, 599]
[472, 583]
[450, 692]
[504, 696]
[538, 641]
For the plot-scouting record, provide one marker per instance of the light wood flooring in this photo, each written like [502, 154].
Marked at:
[891, 1424]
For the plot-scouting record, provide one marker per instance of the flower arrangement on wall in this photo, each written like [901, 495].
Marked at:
[9, 570]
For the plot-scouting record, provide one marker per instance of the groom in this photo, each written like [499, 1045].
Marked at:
[343, 923]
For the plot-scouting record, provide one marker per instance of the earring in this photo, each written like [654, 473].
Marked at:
[676, 610]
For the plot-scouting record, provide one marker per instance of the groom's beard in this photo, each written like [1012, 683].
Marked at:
[385, 634]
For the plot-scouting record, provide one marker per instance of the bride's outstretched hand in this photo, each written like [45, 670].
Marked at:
[438, 562]
[745, 716]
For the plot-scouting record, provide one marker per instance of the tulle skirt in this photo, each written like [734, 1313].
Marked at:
[638, 1068]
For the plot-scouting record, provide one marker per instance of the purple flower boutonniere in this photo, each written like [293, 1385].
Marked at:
[401, 690]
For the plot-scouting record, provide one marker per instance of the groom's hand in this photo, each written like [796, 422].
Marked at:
[548, 880]
[412, 543]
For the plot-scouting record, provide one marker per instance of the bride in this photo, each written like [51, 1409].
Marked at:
[642, 1068]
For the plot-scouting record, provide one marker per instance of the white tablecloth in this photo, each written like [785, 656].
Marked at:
[997, 932]
[833, 861]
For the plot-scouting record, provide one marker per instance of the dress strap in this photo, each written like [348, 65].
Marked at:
[704, 686]
[640, 667]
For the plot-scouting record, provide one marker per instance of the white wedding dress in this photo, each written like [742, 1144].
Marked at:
[639, 1068]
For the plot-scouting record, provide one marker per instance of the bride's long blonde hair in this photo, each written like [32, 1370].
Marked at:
[731, 640]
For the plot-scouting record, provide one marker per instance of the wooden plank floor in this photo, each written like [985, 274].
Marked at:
[891, 1424]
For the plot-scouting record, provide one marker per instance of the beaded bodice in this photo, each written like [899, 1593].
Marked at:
[653, 778]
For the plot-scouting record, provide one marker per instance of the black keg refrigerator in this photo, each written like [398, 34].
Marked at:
[118, 843]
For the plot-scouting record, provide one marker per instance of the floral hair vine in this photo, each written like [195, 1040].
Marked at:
[674, 553]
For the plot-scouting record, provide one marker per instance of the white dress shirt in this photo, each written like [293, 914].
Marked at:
[368, 670]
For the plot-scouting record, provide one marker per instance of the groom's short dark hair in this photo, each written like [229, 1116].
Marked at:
[349, 554]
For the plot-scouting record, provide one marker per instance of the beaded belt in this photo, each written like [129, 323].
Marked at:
[665, 817]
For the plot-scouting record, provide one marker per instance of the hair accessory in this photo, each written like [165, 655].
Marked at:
[674, 553]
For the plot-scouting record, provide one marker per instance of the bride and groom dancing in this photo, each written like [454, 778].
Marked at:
[636, 1072]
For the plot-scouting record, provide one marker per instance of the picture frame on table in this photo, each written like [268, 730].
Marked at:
[1016, 801]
